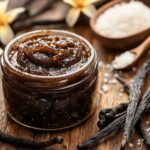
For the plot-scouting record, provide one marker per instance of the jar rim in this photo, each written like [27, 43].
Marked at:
[5, 54]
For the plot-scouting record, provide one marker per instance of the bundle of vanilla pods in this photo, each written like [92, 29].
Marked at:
[126, 115]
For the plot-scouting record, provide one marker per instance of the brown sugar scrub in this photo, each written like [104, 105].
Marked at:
[49, 55]
[48, 79]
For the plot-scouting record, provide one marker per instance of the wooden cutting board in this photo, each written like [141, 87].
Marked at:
[76, 135]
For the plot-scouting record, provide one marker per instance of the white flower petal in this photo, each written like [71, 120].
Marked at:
[89, 10]
[3, 5]
[72, 16]
[13, 14]
[6, 34]
[70, 2]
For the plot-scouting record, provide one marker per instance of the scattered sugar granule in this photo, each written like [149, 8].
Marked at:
[106, 80]
[101, 92]
[124, 19]
[148, 129]
[142, 140]
[114, 81]
[105, 88]
[131, 81]
[116, 75]
[123, 60]
[131, 145]
[110, 67]
[122, 90]
[139, 142]
[120, 94]
[134, 68]
[100, 64]
[106, 75]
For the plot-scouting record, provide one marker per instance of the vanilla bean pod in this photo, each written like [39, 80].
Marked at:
[115, 125]
[46, 7]
[123, 107]
[28, 3]
[117, 110]
[105, 111]
[104, 121]
[112, 127]
[141, 108]
[20, 26]
[27, 14]
[106, 116]
[133, 101]
[28, 143]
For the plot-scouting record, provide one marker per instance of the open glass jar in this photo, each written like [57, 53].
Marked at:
[53, 96]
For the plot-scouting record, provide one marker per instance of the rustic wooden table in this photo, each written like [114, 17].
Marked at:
[76, 135]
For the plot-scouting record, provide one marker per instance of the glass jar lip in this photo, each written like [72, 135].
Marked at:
[5, 54]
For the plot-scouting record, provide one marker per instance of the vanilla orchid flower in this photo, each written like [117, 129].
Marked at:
[78, 6]
[6, 18]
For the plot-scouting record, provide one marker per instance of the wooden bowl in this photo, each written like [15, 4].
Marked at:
[123, 42]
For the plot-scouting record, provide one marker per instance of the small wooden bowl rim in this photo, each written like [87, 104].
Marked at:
[101, 11]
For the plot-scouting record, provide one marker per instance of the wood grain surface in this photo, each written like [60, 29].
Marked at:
[76, 135]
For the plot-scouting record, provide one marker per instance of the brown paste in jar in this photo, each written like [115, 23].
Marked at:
[48, 79]
[49, 55]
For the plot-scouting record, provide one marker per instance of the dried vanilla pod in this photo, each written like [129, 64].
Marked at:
[28, 143]
[106, 116]
[141, 108]
[112, 127]
[115, 125]
[133, 100]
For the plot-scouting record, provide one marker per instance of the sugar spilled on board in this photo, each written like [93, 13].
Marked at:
[109, 79]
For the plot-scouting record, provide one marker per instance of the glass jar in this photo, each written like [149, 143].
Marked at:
[49, 102]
